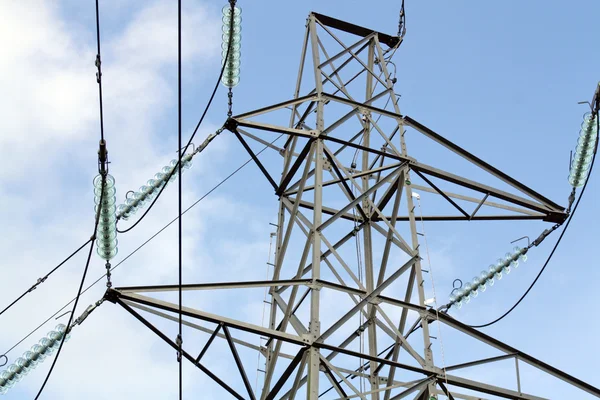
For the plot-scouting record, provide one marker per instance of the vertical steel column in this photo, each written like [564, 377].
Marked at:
[368, 247]
[287, 160]
[518, 374]
[314, 360]
[273, 307]
[418, 273]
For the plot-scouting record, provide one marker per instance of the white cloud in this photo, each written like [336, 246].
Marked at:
[49, 121]
[49, 124]
[151, 37]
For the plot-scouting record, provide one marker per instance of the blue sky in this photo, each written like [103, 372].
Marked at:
[500, 79]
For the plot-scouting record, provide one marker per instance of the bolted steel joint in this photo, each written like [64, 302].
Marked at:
[231, 125]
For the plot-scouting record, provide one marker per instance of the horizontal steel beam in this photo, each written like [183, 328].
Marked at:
[475, 218]
[389, 40]
[481, 164]
[448, 320]
[462, 327]
[326, 210]
[274, 107]
[346, 50]
[352, 176]
[276, 128]
[175, 346]
[489, 389]
[479, 187]
[263, 142]
[189, 324]
[114, 295]
[554, 211]
[213, 285]
[479, 362]
[443, 317]
[478, 201]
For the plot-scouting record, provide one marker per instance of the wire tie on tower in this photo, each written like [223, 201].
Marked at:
[521, 238]
[62, 315]
[191, 144]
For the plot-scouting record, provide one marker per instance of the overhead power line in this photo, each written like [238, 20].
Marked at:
[176, 168]
[101, 207]
[555, 245]
[234, 172]
[402, 21]
[79, 291]
[99, 73]
[179, 206]
[43, 279]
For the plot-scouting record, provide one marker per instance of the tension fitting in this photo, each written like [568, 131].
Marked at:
[229, 103]
[102, 157]
[86, 313]
[108, 281]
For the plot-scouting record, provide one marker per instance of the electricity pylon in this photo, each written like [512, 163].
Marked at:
[347, 183]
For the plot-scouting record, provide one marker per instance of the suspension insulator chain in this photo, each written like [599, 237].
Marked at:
[231, 49]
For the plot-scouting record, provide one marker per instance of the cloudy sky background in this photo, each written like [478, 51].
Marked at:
[502, 80]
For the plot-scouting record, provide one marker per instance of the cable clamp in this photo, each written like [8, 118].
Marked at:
[179, 342]
[37, 283]
[99, 73]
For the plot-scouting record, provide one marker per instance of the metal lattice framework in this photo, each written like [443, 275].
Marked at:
[347, 175]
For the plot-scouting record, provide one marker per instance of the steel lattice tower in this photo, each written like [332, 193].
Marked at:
[348, 173]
